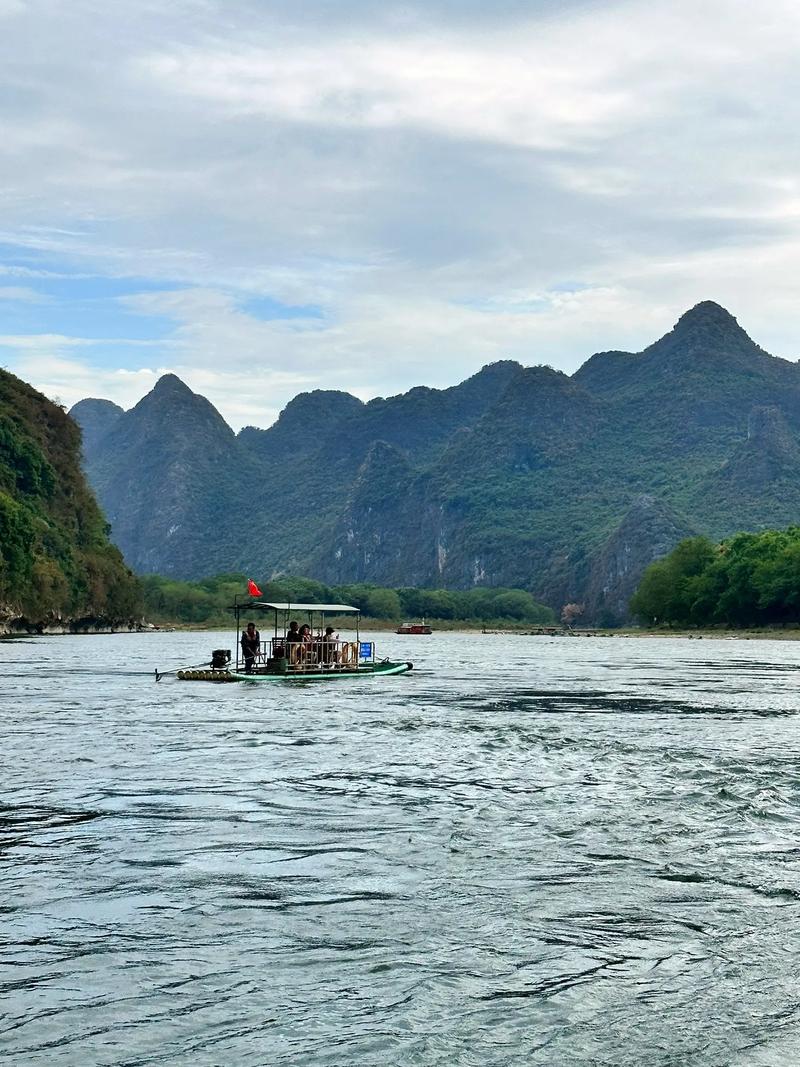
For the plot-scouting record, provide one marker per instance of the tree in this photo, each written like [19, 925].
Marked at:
[571, 612]
[382, 604]
[514, 604]
[671, 587]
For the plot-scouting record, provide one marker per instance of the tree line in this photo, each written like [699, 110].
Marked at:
[205, 602]
[750, 579]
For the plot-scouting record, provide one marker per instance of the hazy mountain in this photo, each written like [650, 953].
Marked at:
[95, 418]
[172, 479]
[304, 419]
[566, 486]
[422, 421]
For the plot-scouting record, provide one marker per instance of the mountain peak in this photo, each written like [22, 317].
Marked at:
[171, 395]
[708, 324]
[707, 334]
[707, 313]
[170, 410]
[170, 384]
[95, 418]
[321, 402]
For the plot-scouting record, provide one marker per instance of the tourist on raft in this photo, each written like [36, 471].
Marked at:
[327, 646]
[306, 650]
[251, 646]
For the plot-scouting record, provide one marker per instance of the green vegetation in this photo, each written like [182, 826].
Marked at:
[55, 557]
[751, 579]
[205, 602]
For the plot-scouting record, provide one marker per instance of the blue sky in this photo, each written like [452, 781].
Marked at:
[265, 197]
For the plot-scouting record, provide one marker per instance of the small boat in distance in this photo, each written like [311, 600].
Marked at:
[414, 628]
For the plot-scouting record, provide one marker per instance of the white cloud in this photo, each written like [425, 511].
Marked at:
[66, 379]
[21, 293]
[53, 341]
[429, 175]
[42, 341]
[516, 91]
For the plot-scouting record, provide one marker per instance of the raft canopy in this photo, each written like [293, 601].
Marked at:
[327, 609]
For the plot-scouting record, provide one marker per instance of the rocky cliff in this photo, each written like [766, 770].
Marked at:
[648, 531]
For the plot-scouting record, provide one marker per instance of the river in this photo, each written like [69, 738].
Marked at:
[530, 850]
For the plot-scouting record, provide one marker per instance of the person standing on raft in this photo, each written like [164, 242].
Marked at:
[251, 646]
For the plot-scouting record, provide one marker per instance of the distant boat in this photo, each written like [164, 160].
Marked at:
[414, 628]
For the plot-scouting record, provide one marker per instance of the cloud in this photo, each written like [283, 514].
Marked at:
[427, 176]
[69, 380]
[519, 93]
[51, 341]
[22, 293]
[41, 341]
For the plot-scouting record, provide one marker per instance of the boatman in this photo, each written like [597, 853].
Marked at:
[251, 646]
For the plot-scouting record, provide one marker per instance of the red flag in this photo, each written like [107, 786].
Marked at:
[252, 588]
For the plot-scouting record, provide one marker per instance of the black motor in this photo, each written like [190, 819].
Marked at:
[220, 657]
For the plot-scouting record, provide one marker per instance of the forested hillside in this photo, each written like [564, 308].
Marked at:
[56, 562]
[524, 477]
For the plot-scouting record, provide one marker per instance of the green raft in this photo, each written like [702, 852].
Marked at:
[371, 670]
[290, 657]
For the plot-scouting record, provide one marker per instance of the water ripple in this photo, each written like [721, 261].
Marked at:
[533, 851]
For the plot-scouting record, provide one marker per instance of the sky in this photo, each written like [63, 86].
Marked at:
[266, 197]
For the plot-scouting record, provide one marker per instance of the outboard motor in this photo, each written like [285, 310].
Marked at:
[220, 658]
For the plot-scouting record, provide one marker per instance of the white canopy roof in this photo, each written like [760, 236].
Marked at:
[329, 609]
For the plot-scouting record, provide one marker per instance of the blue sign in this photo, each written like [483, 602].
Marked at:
[366, 650]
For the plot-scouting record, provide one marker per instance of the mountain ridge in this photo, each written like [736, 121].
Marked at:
[518, 476]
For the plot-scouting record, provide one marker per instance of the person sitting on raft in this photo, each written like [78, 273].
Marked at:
[307, 649]
[327, 646]
[251, 646]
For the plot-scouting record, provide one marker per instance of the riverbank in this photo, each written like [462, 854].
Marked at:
[762, 634]
[21, 627]
[787, 633]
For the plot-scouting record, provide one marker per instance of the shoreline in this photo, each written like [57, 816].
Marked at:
[94, 628]
[73, 629]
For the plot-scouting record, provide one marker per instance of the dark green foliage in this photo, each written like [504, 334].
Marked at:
[748, 580]
[55, 557]
[17, 533]
[24, 467]
[207, 601]
[671, 588]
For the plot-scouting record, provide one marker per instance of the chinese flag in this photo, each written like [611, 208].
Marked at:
[252, 588]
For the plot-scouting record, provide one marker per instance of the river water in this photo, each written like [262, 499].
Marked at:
[530, 850]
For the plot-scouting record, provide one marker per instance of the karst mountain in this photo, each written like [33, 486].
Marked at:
[518, 476]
